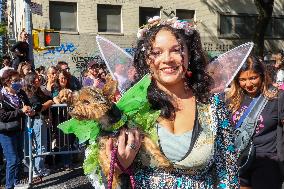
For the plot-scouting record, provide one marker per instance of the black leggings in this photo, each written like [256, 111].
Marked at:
[263, 173]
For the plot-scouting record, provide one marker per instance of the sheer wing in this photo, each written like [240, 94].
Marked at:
[226, 66]
[118, 62]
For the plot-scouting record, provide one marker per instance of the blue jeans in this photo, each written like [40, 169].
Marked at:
[39, 138]
[12, 145]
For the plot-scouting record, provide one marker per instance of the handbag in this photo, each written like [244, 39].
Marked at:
[244, 131]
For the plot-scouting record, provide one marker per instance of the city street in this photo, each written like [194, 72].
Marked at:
[62, 179]
[74, 179]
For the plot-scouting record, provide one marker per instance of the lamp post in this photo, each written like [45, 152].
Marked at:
[29, 29]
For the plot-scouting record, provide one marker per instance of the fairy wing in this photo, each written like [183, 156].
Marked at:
[227, 65]
[118, 62]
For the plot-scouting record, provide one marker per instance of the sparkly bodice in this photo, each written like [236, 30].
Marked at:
[211, 163]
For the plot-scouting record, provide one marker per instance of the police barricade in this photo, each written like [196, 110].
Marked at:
[44, 139]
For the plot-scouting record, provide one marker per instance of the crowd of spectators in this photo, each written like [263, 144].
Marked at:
[275, 67]
[26, 91]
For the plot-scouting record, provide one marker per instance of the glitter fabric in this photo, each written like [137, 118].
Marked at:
[210, 164]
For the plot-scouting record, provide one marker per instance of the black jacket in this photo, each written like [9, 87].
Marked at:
[10, 115]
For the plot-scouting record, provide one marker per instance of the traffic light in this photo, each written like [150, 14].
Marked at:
[51, 39]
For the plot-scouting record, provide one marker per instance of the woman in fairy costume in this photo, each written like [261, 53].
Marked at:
[194, 132]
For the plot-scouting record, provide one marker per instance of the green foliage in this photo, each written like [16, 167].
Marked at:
[3, 28]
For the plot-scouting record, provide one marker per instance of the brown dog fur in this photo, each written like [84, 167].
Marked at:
[92, 104]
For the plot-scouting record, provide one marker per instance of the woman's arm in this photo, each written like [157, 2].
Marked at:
[225, 155]
[12, 115]
[46, 105]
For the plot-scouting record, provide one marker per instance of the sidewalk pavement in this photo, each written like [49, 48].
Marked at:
[62, 179]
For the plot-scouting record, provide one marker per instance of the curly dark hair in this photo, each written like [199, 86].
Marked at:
[67, 75]
[29, 86]
[199, 82]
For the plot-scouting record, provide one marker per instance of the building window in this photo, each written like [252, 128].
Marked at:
[63, 16]
[237, 26]
[184, 14]
[278, 27]
[145, 13]
[109, 18]
[243, 26]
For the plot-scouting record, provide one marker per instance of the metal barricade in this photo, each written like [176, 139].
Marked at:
[50, 139]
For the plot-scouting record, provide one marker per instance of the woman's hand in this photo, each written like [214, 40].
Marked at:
[56, 100]
[50, 84]
[26, 109]
[96, 82]
[31, 113]
[129, 142]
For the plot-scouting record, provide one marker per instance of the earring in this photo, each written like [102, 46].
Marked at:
[188, 73]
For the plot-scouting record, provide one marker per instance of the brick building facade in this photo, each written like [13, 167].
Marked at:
[222, 24]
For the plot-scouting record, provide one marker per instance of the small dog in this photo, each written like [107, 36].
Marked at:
[65, 96]
[96, 104]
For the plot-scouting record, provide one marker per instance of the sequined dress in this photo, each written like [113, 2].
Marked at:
[210, 161]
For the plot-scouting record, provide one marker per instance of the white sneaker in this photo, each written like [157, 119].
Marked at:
[36, 174]
[41, 173]
[45, 172]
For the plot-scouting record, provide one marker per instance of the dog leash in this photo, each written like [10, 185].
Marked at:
[128, 171]
[112, 163]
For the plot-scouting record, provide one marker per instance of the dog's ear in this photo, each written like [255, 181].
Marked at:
[110, 87]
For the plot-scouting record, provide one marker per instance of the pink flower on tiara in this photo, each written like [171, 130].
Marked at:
[141, 32]
[173, 22]
[154, 19]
